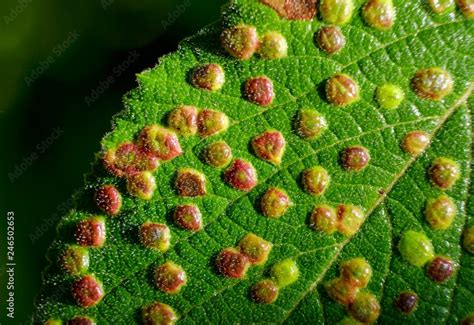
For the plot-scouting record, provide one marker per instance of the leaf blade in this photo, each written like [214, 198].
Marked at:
[157, 95]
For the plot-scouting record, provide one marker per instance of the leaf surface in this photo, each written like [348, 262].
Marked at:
[392, 189]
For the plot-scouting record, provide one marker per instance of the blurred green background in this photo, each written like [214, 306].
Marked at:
[64, 66]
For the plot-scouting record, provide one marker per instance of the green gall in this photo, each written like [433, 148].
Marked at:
[365, 308]
[440, 212]
[232, 263]
[337, 12]
[159, 314]
[274, 203]
[444, 172]
[330, 39]
[406, 302]
[87, 291]
[159, 142]
[389, 96]
[468, 239]
[442, 6]
[142, 185]
[415, 142]
[273, 45]
[241, 175]
[285, 272]
[315, 180]
[240, 41]
[190, 183]
[208, 77]
[264, 292]
[74, 260]
[342, 90]
[350, 219]
[183, 120]
[170, 277]
[255, 248]
[357, 272]
[155, 236]
[416, 248]
[188, 217]
[440, 269]
[324, 218]
[217, 154]
[355, 158]
[341, 291]
[211, 122]
[90, 232]
[269, 146]
[259, 90]
[309, 124]
[379, 14]
[432, 83]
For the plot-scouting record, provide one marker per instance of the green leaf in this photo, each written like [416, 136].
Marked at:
[392, 190]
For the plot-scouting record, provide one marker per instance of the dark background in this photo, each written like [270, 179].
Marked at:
[64, 66]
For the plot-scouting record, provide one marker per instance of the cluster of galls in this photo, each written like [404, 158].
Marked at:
[211, 77]
[282, 274]
[268, 146]
[239, 174]
[251, 250]
[136, 161]
[416, 247]
[418, 250]
[346, 219]
[275, 202]
[430, 83]
[379, 14]
[169, 278]
[86, 290]
[347, 290]
[242, 41]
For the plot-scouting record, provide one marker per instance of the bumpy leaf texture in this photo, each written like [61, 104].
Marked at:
[392, 190]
